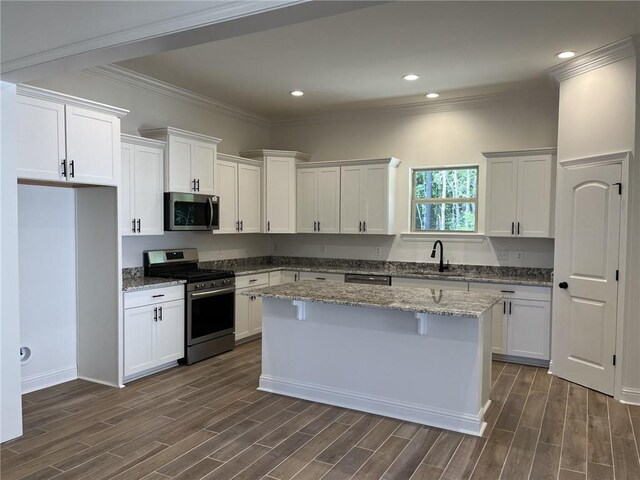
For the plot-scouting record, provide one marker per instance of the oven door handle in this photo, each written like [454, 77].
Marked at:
[209, 293]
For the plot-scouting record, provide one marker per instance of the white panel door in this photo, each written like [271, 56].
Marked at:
[534, 196]
[41, 139]
[139, 345]
[280, 195]
[147, 189]
[125, 192]
[587, 256]
[376, 200]
[328, 203]
[93, 146]
[227, 173]
[203, 167]
[255, 315]
[243, 327]
[351, 195]
[528, 324]
[170, 332]
[179, 178]
[249, 212]
[502, 196]
[307, 200]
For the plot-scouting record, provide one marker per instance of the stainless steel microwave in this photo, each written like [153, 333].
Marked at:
[191, 211]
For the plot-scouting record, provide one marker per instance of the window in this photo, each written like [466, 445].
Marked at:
[445, 200]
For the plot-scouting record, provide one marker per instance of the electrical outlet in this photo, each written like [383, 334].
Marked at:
[516, 257]
[378, 251]
[324, 249]
[503, 255]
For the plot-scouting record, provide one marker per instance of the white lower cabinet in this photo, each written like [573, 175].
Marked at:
[153, 330]
[428, 283]
[289, 276]
[521, 321]
[249, 308]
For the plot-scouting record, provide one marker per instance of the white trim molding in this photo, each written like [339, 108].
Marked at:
[260, 154]
[142, 141]
[163, 133]
[600, 57]
[630, 396]
[49, 379]
[133, 79]
[440, 418]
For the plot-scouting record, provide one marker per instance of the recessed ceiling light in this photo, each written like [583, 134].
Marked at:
[432, 95]
[567, 54]
[297, 93]
[411, 77]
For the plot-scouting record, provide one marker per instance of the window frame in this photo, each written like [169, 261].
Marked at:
[413, 201]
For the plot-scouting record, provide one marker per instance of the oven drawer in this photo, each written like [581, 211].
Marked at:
[259, 279]
[153, 295]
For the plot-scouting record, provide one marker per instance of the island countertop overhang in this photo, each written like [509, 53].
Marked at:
[408, 299]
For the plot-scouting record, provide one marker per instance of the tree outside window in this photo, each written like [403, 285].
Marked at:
[445, 200]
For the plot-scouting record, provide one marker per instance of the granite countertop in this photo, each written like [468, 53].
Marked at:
[407, 299]
[145, 283]
[484, 277]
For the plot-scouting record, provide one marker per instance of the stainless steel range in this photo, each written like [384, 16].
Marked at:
[209, 301]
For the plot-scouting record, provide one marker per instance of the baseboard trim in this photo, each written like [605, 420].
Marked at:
[521, 360]
[630, 396]
[146, 373]
[463, 423]
[49, 379]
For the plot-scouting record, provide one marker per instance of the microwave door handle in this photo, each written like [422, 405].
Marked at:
[210, 213]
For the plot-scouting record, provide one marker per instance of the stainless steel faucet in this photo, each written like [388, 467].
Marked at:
[442, 266]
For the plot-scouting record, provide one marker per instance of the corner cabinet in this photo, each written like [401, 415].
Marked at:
[153, 330]
[190, 162]
[66, 139]
[318, 199]
[367, 196]
[141, 197]
[520, 193]
[278, 188]
[239, 184]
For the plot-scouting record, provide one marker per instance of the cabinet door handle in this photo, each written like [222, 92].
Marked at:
[133, 225]
[155, 314]
[518, 228]
[72, 168]
[513, 226]
[238, 226]
[364, 227]
[314, 225]
[194, 184]
[504, 308]
[160, 313]
[509, 308]
[198, 184]
[138, 225]
[318, 225]
[241, 225]
[268, 226]
[253, 280]
[360, 226]
[64, 167]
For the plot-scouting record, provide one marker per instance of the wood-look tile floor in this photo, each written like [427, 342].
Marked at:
[209, 421]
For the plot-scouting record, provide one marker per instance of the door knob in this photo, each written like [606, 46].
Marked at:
[563, 285]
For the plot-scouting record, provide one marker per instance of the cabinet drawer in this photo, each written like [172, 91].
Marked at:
[252, 280]
[323, 277]
[428, 283]
[523, 292]
[153, 295]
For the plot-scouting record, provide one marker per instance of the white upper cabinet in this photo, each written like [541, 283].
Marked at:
[141, 192]
[367, 196]
[238, 186]
[66, 139]
[279, 188]
[318, 206]
[190, 165]
[520, 188]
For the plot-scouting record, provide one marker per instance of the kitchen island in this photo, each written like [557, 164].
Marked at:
[415, 354]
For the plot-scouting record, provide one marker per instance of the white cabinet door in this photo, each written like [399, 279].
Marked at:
[41, 139]
[288, 276]
[139, 345]
[275, 278]
[502, 197]
[534, 196]
[180, 154]
[227, 173]
[307, 199]
[375, 198]
[528, 327]
[255, 315]
[498, 328]
[249, 194]
[351, 194]
[147, 189]
[328, 203]
[93, 146]
[125, 192]
[280, 195]
[203, 167]
[170, 332]
[243, 327]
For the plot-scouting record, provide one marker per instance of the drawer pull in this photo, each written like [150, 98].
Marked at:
[158, 296]
[508, 291]
[320, 278]
[253, 280]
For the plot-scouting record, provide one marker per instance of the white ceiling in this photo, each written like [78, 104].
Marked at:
[358, 58]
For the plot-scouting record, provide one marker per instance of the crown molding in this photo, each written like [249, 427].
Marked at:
[598, 58]
[215, 13]
[391, 161]
[42, 94]
[142, 141]
[143, 82]
[416, 108]
[261, 154]
[236, 159]
[521, 153]
[163, 132]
